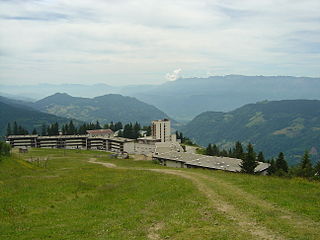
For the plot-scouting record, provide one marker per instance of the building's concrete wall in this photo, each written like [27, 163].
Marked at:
[264, 173]
[141, 148]
[161, 129]
[174, 164]
[128, 147]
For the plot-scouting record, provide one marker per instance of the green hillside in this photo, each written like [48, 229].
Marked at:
[72, 194]
[291, 126]
[107, 108]
[25, 116]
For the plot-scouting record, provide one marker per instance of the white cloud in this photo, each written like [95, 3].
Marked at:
[174, 75]
[121, 42]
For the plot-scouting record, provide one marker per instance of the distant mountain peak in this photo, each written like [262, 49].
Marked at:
[105, 108]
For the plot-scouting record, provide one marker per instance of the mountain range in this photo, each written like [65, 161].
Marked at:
[185, 98]
[107, 108]
[25, 116]
[62, 107]
[289, 126]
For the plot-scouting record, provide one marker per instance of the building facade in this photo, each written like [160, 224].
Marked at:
[114, 144]
[161, 129]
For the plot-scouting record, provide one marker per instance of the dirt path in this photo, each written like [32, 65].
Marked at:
[245, 223]
[297, 220]
[108, 165]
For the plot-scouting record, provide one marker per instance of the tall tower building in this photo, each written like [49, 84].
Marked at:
[161, 129]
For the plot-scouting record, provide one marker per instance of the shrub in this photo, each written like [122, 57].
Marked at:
[4, 149]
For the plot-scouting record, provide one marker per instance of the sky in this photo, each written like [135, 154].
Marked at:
[150, 42]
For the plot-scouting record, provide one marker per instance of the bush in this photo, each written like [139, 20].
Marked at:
[4, 149]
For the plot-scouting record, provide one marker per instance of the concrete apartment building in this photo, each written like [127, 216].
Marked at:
[161, 146]
[104, 139]
[161, 129]
[114, 144]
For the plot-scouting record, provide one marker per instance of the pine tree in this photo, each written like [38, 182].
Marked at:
[118, 126]
[97, 125]
[209, 150]
[128, 131]
[34, 132]
[272, 169]
[120, 133]
[238, 151]
[43, 130]
[71, 128]
[15, 128]
[223, 153]
[148, 129]
[49, 132]
[305, 168]
[215, 150]
[260, 157]
[112, 127]
[55, 129]
[136, 130]
[230, 154]
[249, 162]
[281, 164]
[9, 131]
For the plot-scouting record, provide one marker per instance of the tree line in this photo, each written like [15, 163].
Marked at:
[16, 129]
[128, 130]
[185, 140]
[278, 166]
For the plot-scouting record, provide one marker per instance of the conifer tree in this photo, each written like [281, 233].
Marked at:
[305, 168]
[43, 130]
[97, 125]
[272, 169]
[9, 130]
[238, 151]
[34, 132]
[223, 153]
[209, 150]
[260, 157]
[117, 126]
[71, 128]
[112, 127]
[249, 162]
[136, 130]
[281, 164]
[15, 128]
[120, 133]
[215, 150]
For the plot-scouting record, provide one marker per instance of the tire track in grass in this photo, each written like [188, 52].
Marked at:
[245, 223]
[295, 221]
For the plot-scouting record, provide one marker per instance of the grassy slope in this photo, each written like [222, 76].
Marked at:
[74, 199]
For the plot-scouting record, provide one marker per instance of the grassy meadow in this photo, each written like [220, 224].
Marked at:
[63, 196]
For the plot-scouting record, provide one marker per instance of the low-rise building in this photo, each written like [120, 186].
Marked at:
[192, 160]
[101, 133]
[114, 144]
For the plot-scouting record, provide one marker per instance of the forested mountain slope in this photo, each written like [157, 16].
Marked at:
[107, 108]
[291, 126]
[27, 117]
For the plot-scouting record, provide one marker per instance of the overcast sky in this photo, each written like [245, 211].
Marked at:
[122, 42]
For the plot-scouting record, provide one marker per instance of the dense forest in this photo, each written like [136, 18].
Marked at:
[129, 130]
